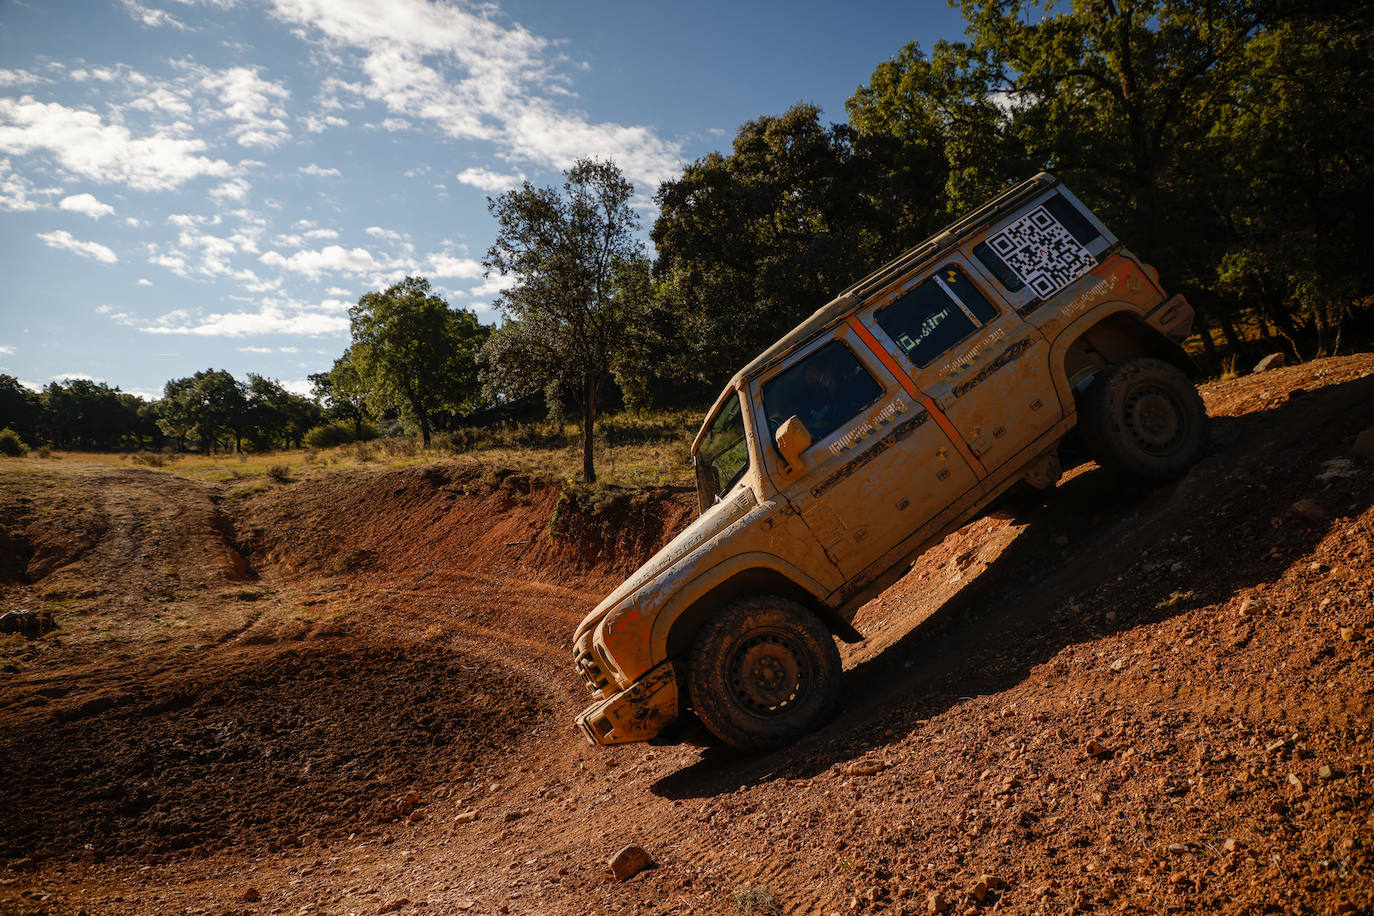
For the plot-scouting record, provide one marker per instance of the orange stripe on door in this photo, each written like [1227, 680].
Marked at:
[909, 385]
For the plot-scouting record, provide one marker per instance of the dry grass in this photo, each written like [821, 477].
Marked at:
[631, 450]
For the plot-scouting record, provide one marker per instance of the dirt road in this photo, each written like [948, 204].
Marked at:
[352, 694]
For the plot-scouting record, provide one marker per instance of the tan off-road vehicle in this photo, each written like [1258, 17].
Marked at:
[890, 417]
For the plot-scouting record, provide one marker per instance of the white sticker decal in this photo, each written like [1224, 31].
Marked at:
[1042, 252]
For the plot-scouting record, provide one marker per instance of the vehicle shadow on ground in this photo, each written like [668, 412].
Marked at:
[1143, 554]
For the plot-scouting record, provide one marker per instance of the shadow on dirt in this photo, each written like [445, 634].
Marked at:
[265, 749]
[1099, 558]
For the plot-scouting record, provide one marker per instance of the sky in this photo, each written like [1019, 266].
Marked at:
[192, 184]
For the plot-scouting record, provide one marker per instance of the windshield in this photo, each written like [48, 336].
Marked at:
[723, 456]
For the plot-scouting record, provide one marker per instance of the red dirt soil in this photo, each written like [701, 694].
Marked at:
[352, 694]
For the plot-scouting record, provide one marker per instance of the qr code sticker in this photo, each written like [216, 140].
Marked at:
[1042, 252]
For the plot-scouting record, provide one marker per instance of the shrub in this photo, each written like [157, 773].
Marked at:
[151, 459]
[280, 473]
[11, 445]
[340, 432]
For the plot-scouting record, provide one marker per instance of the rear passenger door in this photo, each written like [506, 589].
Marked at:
[984, 368]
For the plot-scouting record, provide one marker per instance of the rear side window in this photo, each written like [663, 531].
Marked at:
[1046, 248]
[825, 390]
[935, 315]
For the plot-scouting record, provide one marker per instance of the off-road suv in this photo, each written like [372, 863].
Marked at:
[890, 417]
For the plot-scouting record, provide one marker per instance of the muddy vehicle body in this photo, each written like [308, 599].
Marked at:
[893, 415]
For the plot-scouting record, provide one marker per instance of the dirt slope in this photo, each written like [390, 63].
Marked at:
[1127, 699]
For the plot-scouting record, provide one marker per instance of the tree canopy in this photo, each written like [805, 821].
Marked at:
[571, 254]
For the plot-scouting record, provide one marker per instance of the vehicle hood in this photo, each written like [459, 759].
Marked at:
[711, 523]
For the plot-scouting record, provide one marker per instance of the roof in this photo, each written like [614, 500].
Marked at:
[932, 249]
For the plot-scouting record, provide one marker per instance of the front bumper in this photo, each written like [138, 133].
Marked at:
[637, 713]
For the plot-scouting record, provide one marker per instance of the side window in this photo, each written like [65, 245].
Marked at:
[1045, 249]
[825, 390]
[935, 315]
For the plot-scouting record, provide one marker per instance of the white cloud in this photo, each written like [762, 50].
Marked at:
[300, 386]
[444, 265]
[253, 102]
[475, 78]
[272, 317]
[150, 17]
[487, 180]
[162, 99]
[75, 377]
[83, 143]
[16, 190]
[322, 234]
[319, 124]
[330, 259]
[320, 172]
[144, 282]
[87, 204]
[6, 350]
[377, 232]
[255, 349]
[62, 239]
[233, 189]
[19, 78]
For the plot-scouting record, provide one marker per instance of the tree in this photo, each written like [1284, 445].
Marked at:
[343, 392]
[414, 353]
[20, 409]
[566, 313]
[210, 404]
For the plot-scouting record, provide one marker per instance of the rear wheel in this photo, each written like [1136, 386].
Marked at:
[1144, 418]
[763, 672]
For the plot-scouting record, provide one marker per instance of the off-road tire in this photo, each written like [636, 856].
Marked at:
[763, 672]
[1145, 419]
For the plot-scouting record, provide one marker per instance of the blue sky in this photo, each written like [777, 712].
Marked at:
[188, 184]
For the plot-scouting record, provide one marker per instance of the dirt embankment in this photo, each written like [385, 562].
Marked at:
[1136, 700]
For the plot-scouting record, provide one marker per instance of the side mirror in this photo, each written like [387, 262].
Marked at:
[793, 439]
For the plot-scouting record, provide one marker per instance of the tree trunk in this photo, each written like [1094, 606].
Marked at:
[424, 427]
[588, 424]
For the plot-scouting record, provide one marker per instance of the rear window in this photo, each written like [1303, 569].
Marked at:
[935, 315]
[1044, 249]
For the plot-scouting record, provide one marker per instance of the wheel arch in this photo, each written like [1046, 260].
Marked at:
[749, 574]
[1096, 341]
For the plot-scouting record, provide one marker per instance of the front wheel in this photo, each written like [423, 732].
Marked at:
[1144, 418]
[763, 672]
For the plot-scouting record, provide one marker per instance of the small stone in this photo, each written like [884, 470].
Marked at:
[1232, 844]
[1094, 748]
[1364, 444]
[1118, 664]
[1308, 511]
[1099, 799]
[1248, 607]
[1350, 634]
[1179, 879]
[936, 903]
[394, 905]
[866, 767]
[992, 881]
[980, 892]
[1325, 772]
[251, 895]
[1294, 781]
[629, 862]
[1272, 361]
[466, 817]
[512, 816]
[1178, 849]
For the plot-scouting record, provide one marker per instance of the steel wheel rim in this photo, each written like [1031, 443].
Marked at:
[1155, 419]
[766, 672]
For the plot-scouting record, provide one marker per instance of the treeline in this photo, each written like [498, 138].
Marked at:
[1227, 142]
[209, 411]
